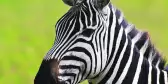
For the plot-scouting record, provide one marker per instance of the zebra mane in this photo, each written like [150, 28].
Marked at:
[151, 53]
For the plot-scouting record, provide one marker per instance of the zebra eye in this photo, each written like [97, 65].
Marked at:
[69, 2]
[87, 32]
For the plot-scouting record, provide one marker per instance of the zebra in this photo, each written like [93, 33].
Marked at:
[88, 47]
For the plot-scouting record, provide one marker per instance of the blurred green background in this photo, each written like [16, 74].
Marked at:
[27, 32]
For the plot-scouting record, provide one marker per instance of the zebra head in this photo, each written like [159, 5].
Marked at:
[72, 58]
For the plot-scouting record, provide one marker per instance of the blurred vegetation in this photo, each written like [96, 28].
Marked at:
[27, 32]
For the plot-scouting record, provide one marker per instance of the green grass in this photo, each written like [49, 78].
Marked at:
[27, 32]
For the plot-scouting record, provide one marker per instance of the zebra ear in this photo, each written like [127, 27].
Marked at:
[101, 3]
[69, 2]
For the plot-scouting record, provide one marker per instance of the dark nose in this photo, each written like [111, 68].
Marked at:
[43, 76]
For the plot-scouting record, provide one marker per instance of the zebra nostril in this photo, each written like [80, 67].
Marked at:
[62, 82]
